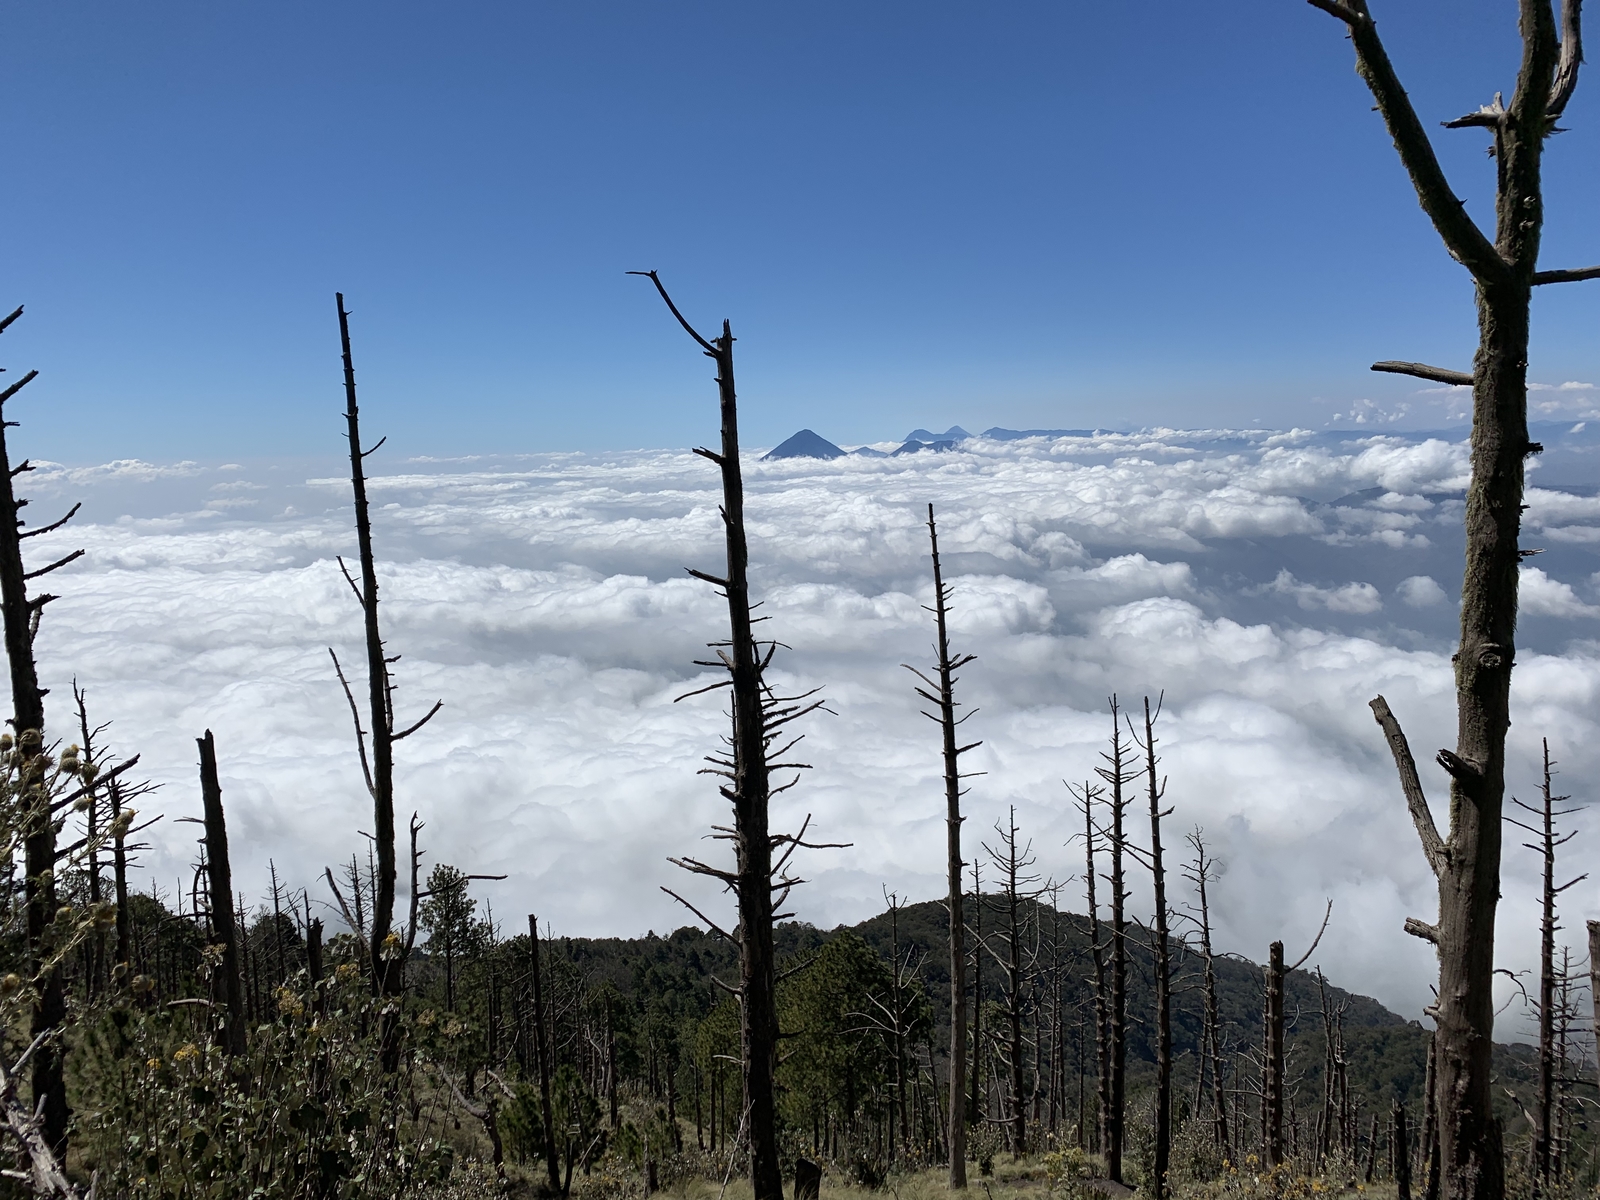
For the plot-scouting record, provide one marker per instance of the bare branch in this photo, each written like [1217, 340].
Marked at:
[1566, 80]
[1462, 237]
[51, 528]
[1423, 930]
[355, 714]
[1433, 846]
[1577, 275]
[18, 386]
[656, 279]
[1328, 912]
[1423, 371]
[710, 924]
[57, 565]
[410, 729]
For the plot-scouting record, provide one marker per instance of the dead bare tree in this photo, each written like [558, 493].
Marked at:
[1594, 984]
[1086, 796]
[1020, 891]
[1272, 1059]
[760, 717]
[21, 615]
[227, 984]
[383, 944]
[1543, 1148]
[941, 694]
[1201, 873]
[1160, 952]
[1119, 769]
[1504, 271]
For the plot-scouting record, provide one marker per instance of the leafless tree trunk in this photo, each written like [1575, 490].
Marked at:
[1505, 271]
[1118, 771]
[1430, 1122]
[976, 1098]
[226, 988]
[1200, 874]
[759, 717]
[1401, 1153]
[1020, 888]
[1594, 983]
[383, 944]
[1086, 798]
[21, 617]
[1543, 1147]
[541, 1036]
[1272, 1060]
[1160, 950]
[941, 694]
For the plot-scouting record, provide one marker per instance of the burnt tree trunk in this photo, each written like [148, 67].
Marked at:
[1594, 975]
[758, 716]
[1400, 1152]
[1118, 772]
[1211, 1036]
[1102, 1039]
[542, 1040]
[942, 696]
[227, 987]
[1544, 1150]
[386, 966]
[1272, 1060]
[21, 619]
[384, 945]
[1505, 271]
[1161, 954]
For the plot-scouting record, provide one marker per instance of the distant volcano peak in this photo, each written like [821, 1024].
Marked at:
[805, 444]
[954, 434]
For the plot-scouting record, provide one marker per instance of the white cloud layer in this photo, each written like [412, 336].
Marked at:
[543, 599]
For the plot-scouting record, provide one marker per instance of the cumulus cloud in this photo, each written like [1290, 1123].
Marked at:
[1347, 598]
[543, 599]
[1540, 596]
[1420, 591]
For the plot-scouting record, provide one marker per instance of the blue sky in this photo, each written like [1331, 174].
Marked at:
[1023, 215]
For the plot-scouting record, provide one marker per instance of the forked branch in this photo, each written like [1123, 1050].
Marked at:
[1462, 237]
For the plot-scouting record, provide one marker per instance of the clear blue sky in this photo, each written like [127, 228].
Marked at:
[1022, 214]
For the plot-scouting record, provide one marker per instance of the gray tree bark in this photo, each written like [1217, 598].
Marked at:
[1504, 271]
[227, 987]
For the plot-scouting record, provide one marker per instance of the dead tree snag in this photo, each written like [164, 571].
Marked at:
[383, 944]
[941, 694]
[1504, 271]
[21, 615]
[759, 718]
[227, 989]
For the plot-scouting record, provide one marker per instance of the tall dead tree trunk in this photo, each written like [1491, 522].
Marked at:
[941, 694]
[21, 618]
[227, 988]
[759, 717]
[1020, 889]
[1272, 1060]
[1211, 1036]
[1118, 771]
[1401, 1153]
[541, 1036]
[975, 1105]
[1594, 981]
[1102, 1039]
[384, 946]
[1160, 952]
[1505, 271]
[1543, 1148]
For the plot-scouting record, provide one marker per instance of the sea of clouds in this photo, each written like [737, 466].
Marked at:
[1267, 584]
